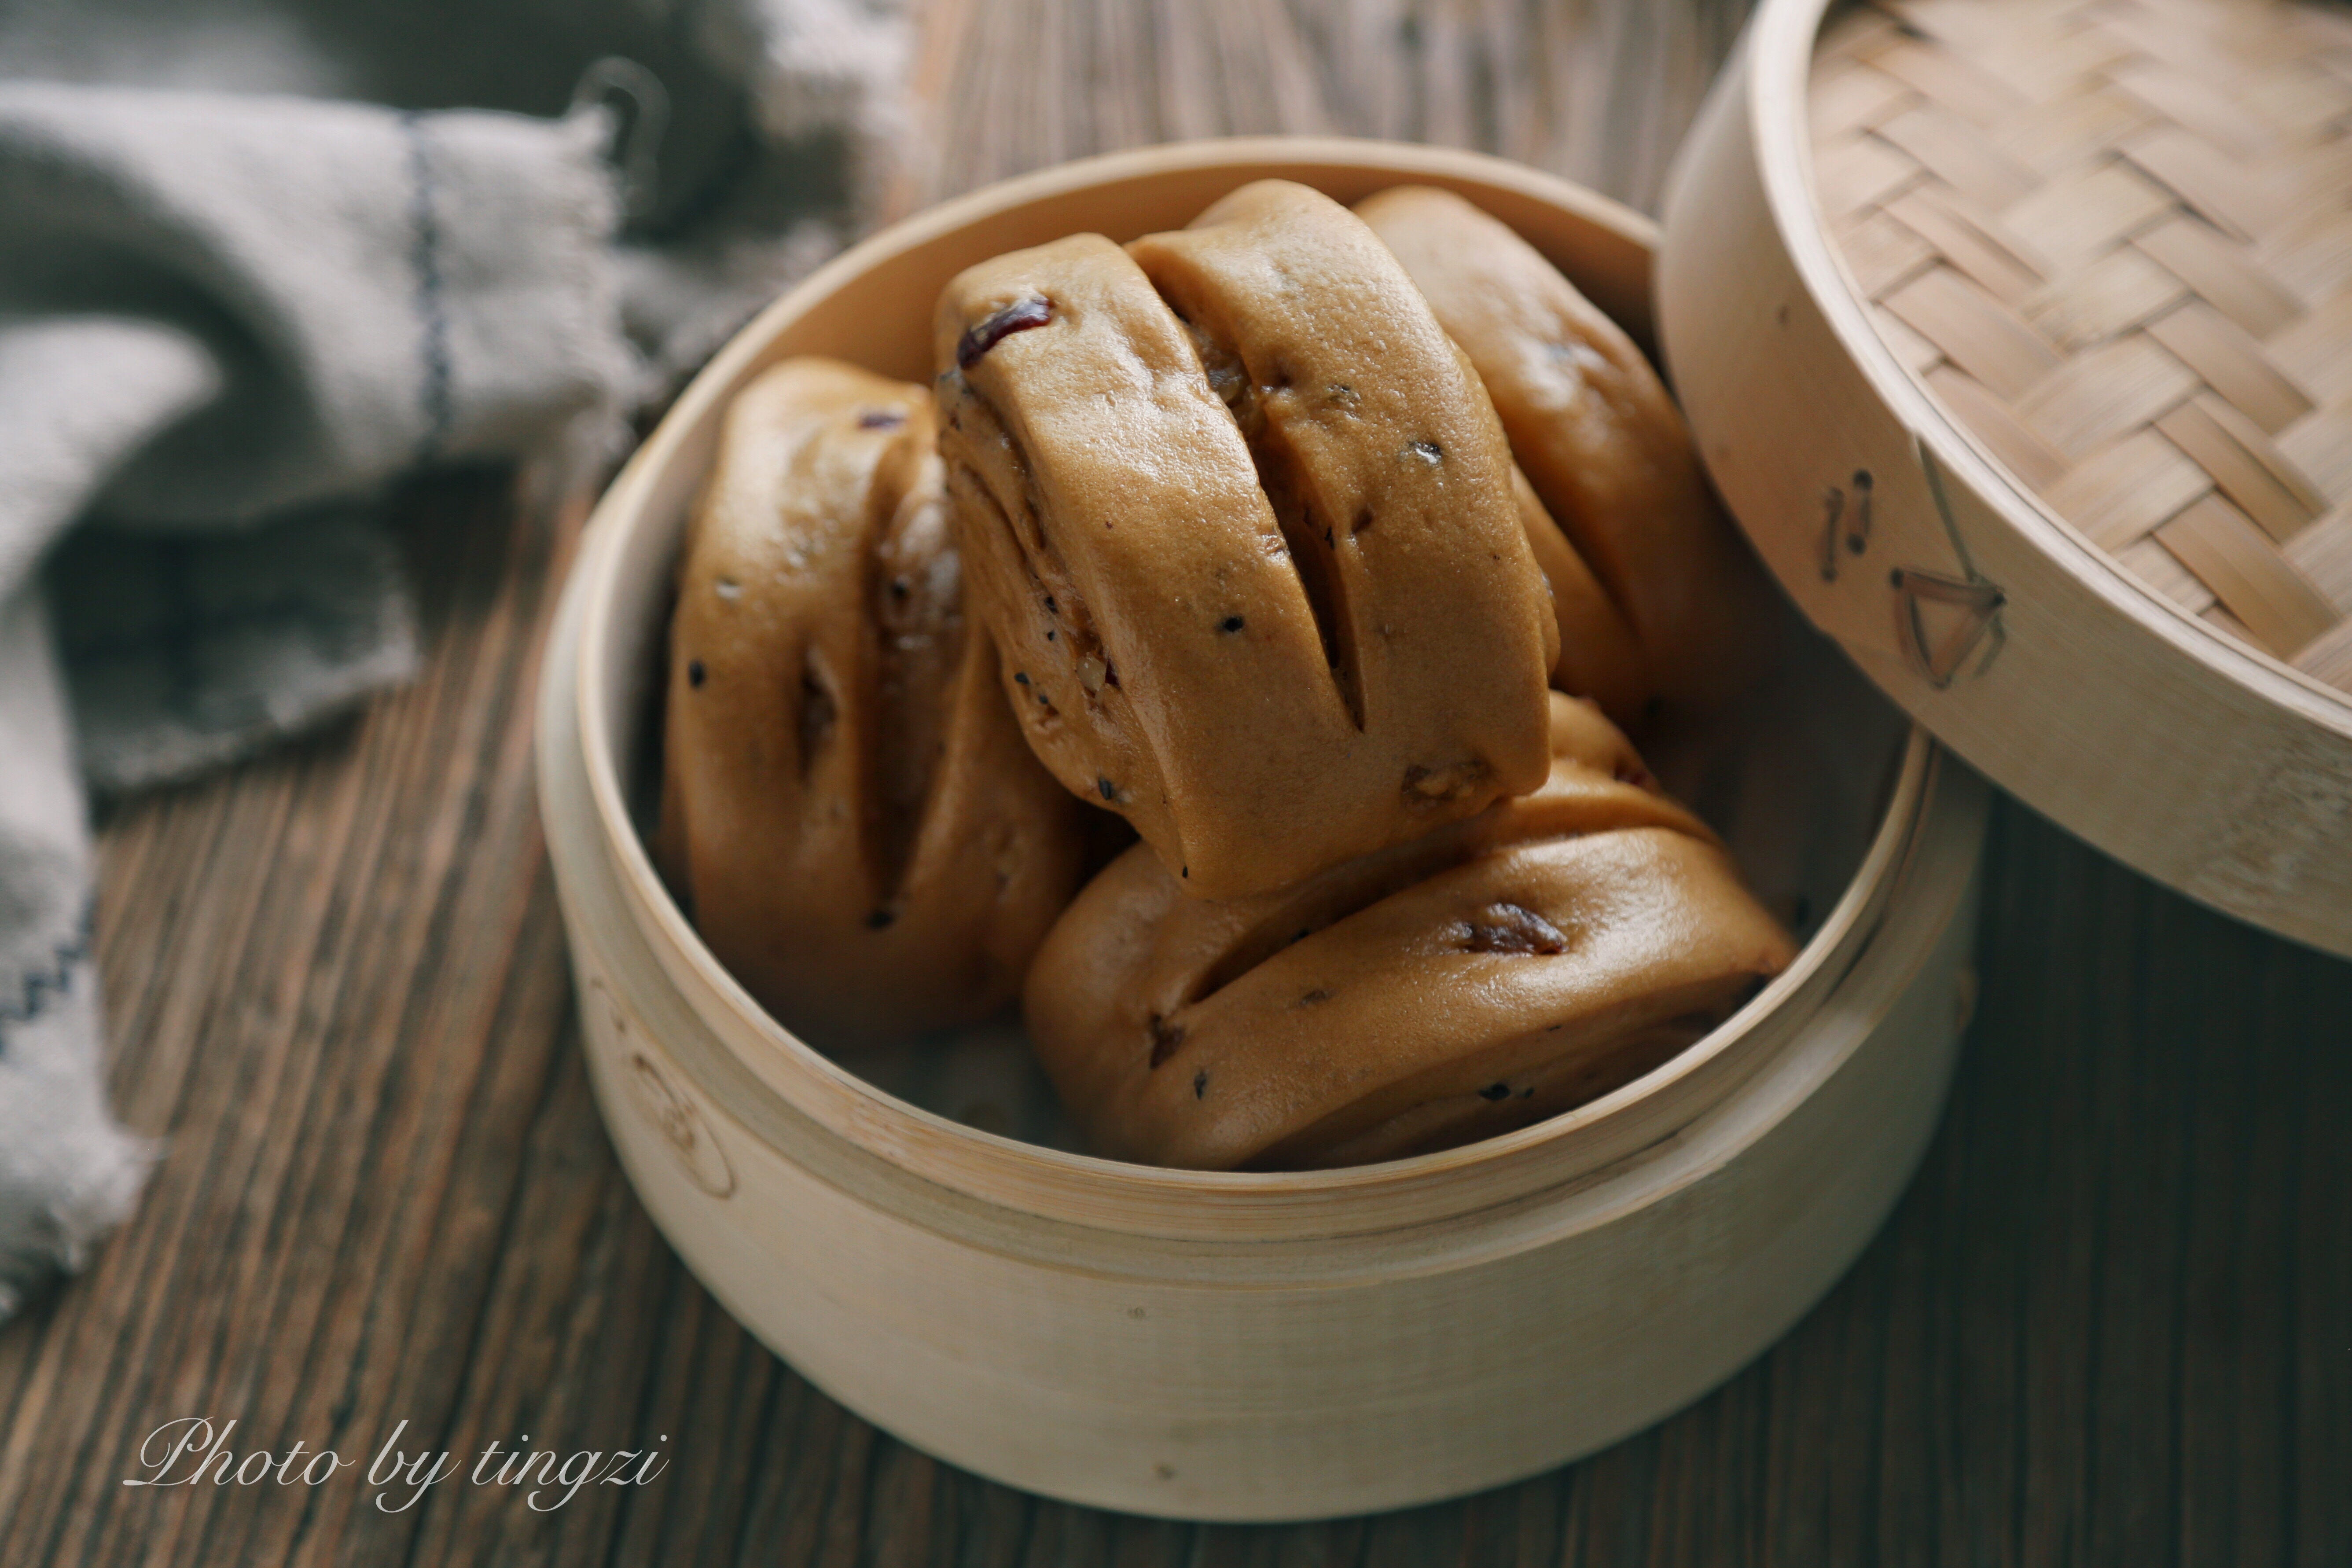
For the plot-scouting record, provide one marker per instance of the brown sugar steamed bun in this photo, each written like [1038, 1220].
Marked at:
[864, 841]
[1243, 528]
[1600, 656]
[1487, 975]
[1601, 440]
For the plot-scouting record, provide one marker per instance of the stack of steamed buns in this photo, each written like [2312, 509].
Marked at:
[1333, 551]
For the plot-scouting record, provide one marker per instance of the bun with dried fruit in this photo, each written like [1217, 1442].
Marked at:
[861, 836]
[1242, 523]
[1600, 656]
[1601, 440]
[1485, 976]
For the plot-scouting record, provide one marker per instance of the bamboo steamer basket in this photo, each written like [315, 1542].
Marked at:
[1249, 1346]
[2019, 336]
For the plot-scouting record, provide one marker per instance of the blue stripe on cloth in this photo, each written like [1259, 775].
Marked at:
[42, 987]
[434, 395]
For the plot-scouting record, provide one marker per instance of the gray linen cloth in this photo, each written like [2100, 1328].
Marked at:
[253, 268]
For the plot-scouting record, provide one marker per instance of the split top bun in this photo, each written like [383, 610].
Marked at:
[862, 838]
[1478, 979]
[1240, 519]
[1601, 440]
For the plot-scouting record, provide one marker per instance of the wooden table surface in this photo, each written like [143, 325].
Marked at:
[2110, 1323]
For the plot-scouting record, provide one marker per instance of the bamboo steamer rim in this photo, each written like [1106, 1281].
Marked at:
[1780, 43]
[1102, 1193]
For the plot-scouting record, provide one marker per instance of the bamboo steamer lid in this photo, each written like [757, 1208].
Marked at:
[2019, 337]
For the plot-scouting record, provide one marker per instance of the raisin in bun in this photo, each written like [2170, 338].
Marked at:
[1600, 438]
[1492, 973]
[1254, 562]
[864, 839]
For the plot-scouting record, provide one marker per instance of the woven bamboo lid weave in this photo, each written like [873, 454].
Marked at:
[2113, 239]
[2017, 336]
